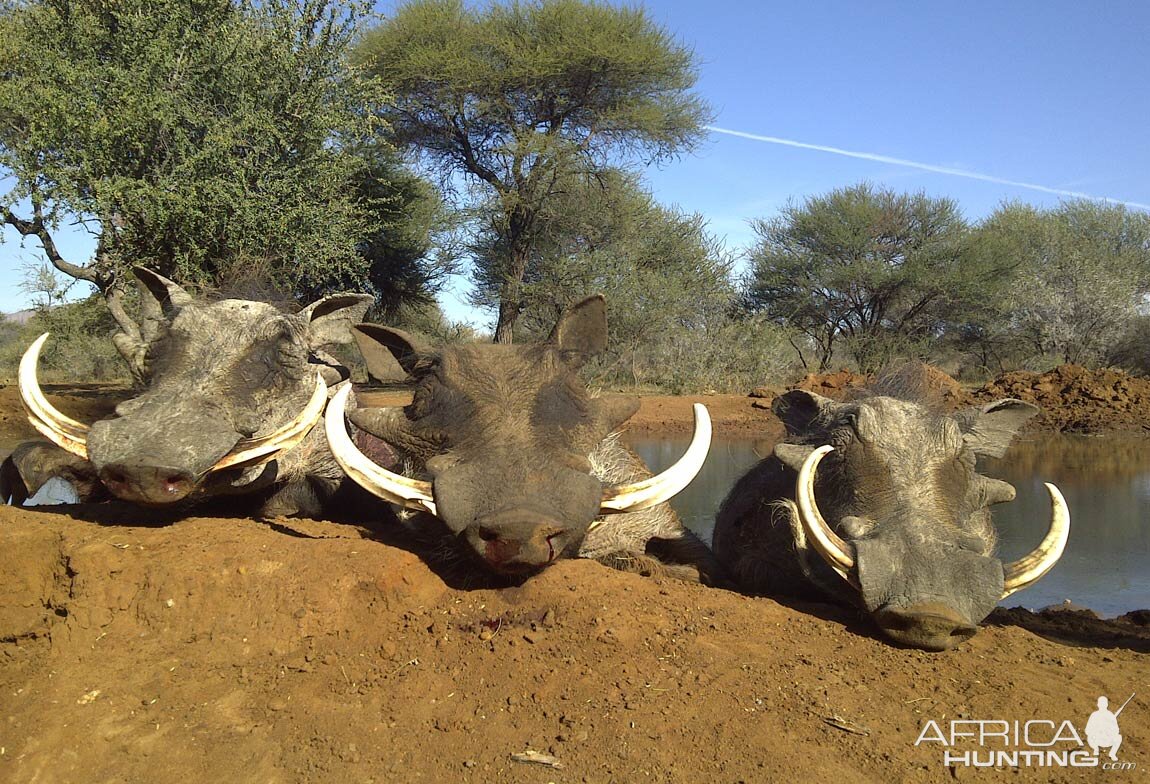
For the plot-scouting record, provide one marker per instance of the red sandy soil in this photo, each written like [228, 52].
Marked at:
[1074, 399]
[138, 649]
[1071, 398]
[227, 650]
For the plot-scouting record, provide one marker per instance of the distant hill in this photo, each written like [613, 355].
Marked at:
[20, 316]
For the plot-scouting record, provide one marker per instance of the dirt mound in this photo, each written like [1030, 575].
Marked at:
[1074, 399]
[1079, 625]
[911, 380]
[837, 386]
[231, 650]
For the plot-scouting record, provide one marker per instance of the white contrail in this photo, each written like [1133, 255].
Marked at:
[870, 156]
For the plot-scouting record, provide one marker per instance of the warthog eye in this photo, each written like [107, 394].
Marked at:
[289, 354]
[842, 436]
[853, 422]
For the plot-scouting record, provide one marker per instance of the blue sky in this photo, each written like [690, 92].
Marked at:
[1052, 94]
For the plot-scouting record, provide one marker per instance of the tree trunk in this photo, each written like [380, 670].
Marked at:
[508, 315]
[510, 296]
[799, 351]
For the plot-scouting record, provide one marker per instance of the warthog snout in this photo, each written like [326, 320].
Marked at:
[931, 626]
[542, 513]
[517, 540]
[147, 484]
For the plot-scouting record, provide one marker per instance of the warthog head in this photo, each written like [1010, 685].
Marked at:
[231, 388]
[501, 436]
[888, 496]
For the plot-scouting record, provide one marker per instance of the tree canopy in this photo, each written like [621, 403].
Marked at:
[867, 267]
[606, 233]
[1077, 278]
[521, 97]
[202, 138]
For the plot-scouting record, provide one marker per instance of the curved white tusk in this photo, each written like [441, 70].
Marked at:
[60, 429]
[826, 542]
[252, 452]
[377, 480]
[661, 487]
[1030, 568]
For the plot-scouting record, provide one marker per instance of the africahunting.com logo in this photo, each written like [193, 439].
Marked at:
[1000, 743]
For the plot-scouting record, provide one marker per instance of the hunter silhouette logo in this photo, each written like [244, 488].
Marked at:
[1038, 742]
[1102, 728]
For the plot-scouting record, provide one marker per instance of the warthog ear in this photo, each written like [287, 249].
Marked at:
[799, 410]
[385, 424]
[391, 354]
[614, 410]
[581, 332]
[990, 429]
[160, 299]
[793, 455]
[329, 320]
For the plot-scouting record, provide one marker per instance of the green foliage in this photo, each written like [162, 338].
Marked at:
[408, 250]
[871, 269]
[201, 138]
[11, 347]
[546, 78]
[522, 97]
[669, 295]
[78, 350]
[1131, 351]
[1077, 276]
[727, 353]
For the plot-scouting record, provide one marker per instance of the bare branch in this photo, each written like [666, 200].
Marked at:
[36, 228]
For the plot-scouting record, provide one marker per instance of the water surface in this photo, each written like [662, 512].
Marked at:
[1106, 481]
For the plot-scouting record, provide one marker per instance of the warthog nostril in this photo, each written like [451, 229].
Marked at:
[555, 545]
[174, 484]
[113, 477]
[488, 535]
[931, 626]
[147, 484]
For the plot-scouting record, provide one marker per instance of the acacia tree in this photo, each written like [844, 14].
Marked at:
[671, 302]
[1079, 273]
[409, 248]
[201, 138]
[657, 266]
[873, 269]
[521, 97]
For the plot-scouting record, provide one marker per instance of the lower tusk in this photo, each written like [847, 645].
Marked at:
[826, 542]
[664, 486]
[377, 480]
[252, 452]
[60, 429]
[1031, 568]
